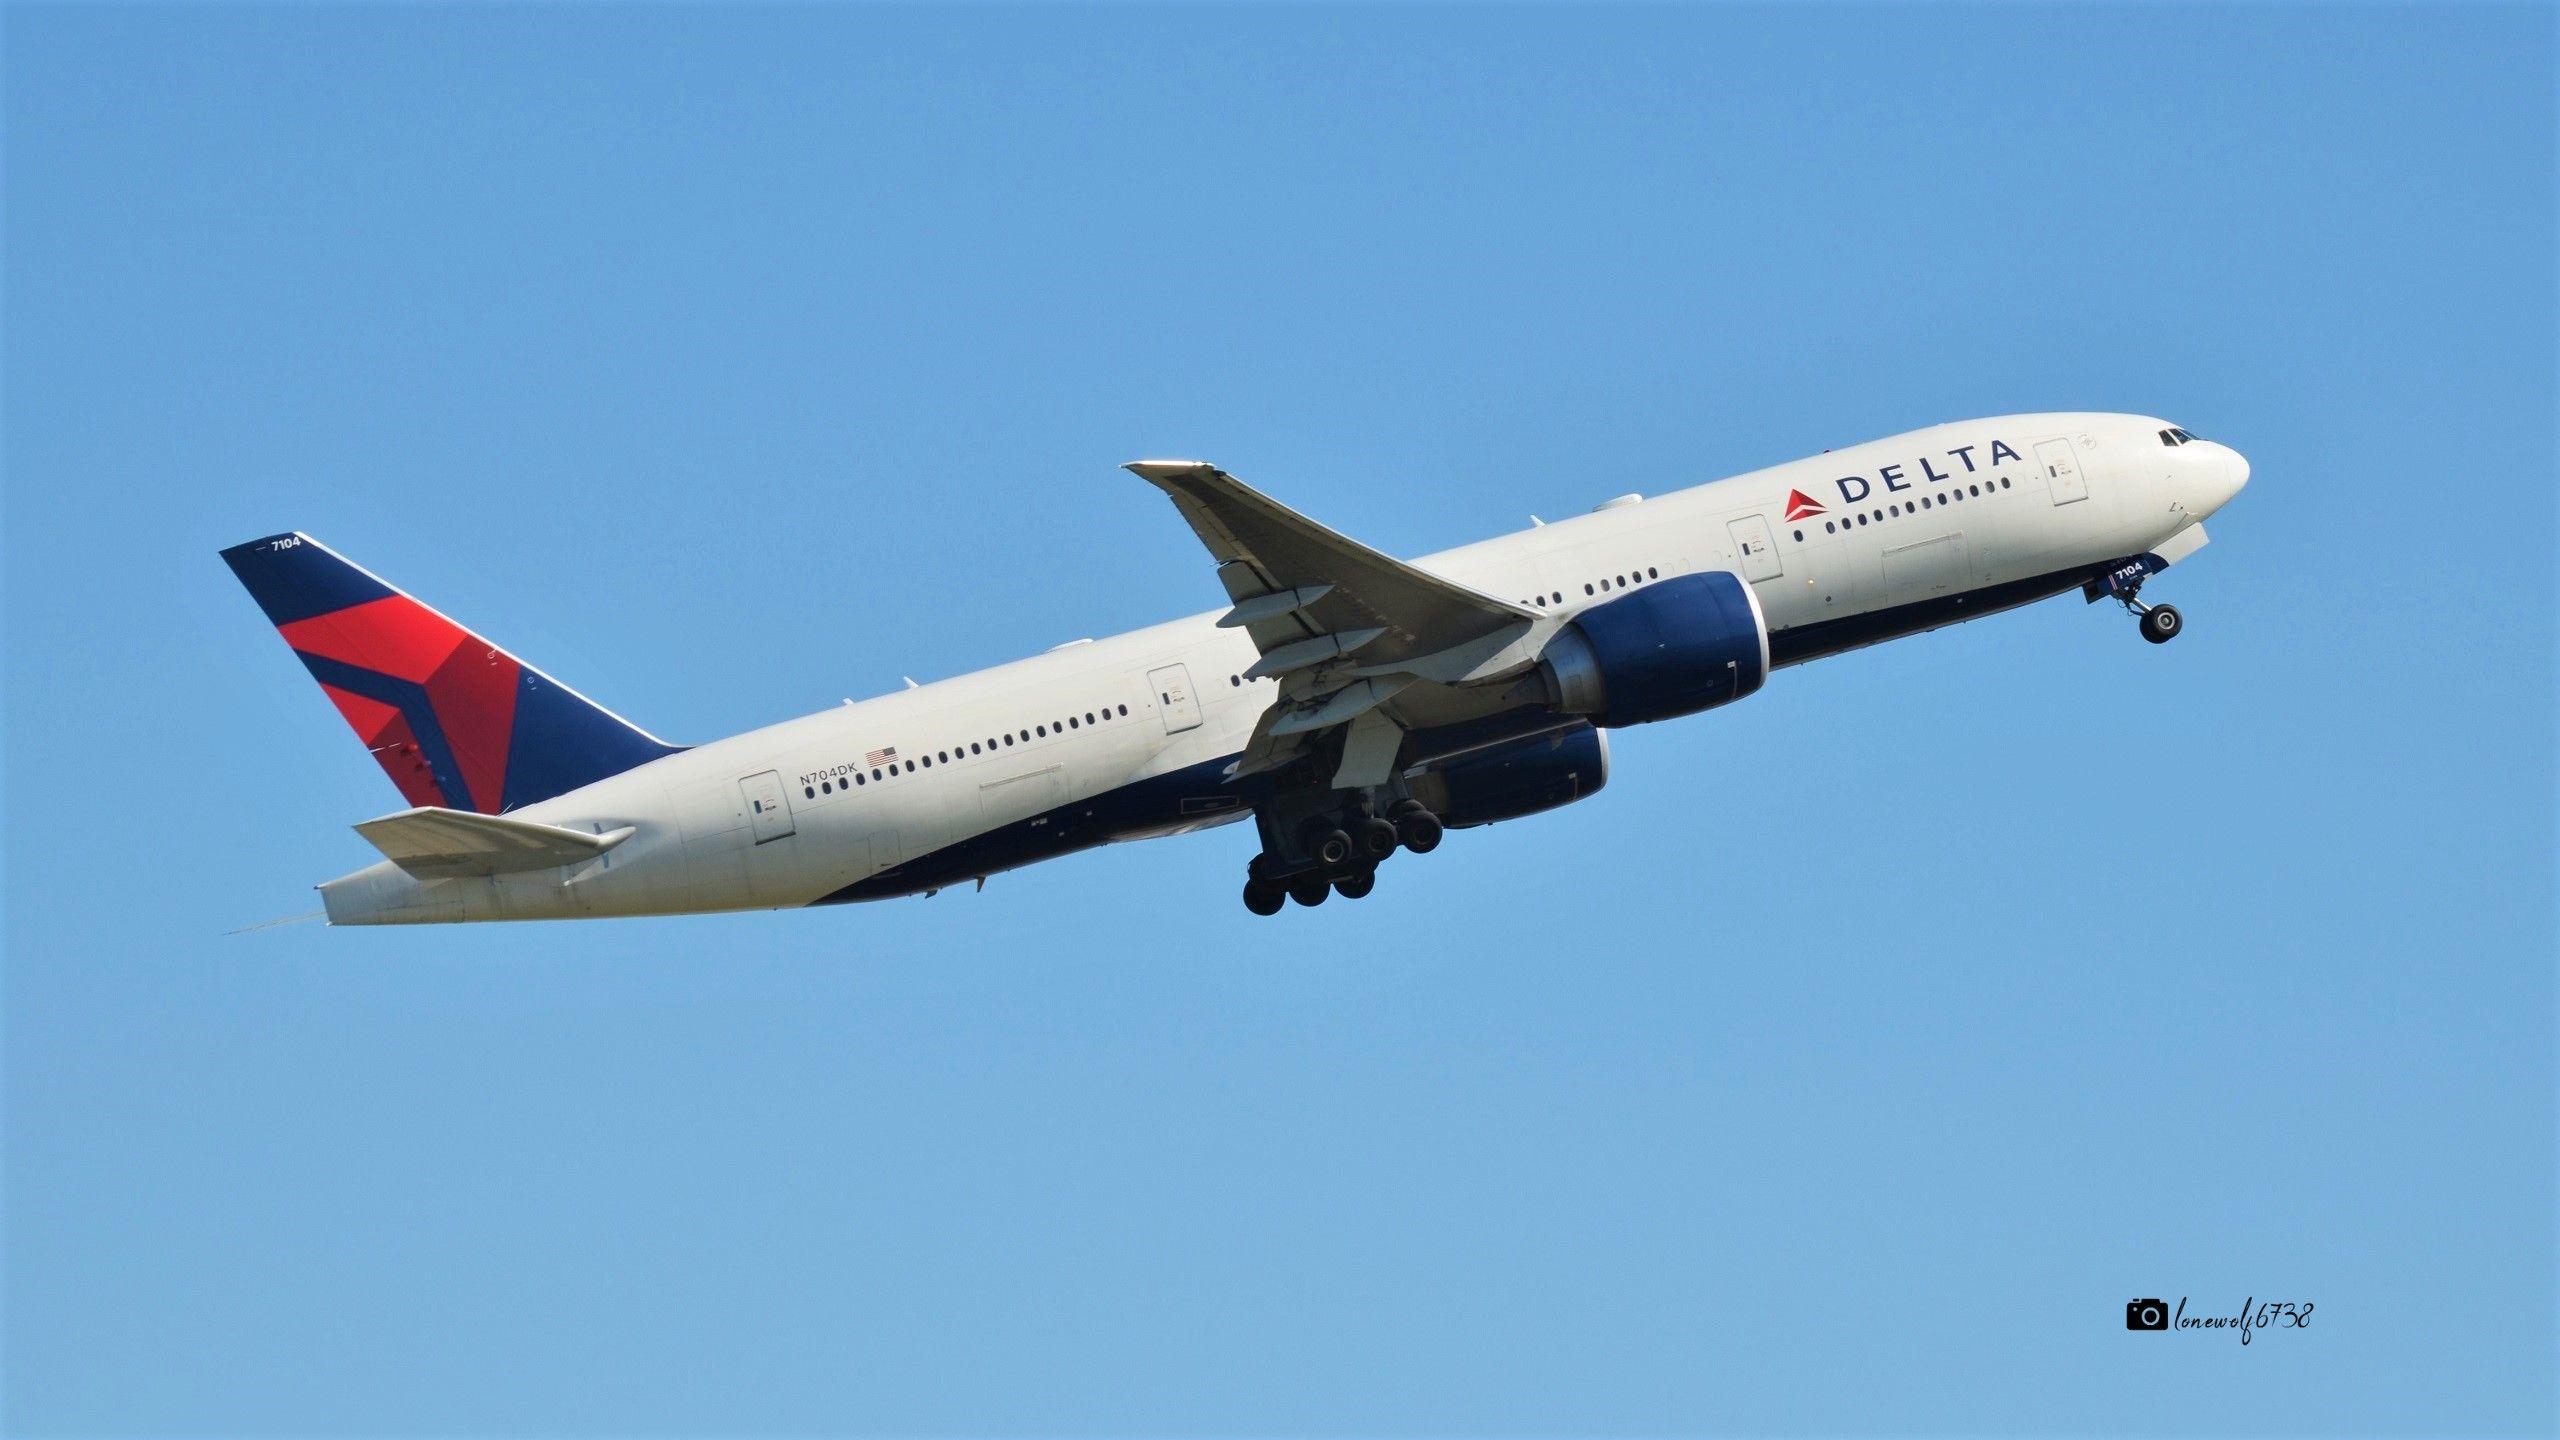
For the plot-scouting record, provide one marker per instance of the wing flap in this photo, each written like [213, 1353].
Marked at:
[432, 843]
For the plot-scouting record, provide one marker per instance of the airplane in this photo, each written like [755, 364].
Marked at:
[1352, 705]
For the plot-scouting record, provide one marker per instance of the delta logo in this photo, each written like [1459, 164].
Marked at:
[1800, 506]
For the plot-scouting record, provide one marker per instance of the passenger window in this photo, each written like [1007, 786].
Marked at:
[808, 793]
[1124, 709]
[1652, 574]
[857, 777]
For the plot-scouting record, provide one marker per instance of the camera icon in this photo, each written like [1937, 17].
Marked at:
[2145, 1315]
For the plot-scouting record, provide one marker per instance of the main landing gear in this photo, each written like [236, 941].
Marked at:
[1342, 855]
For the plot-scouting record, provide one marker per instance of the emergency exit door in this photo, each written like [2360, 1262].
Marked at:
[1180, 707]
[768, 809]
[2062, 472]
[1757, 547]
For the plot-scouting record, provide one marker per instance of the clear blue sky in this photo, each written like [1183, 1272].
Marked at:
[1844, 1067]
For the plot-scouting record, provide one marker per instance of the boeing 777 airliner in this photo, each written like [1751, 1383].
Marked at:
[1352, 704]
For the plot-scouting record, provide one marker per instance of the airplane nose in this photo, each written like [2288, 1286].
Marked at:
[2224, 472]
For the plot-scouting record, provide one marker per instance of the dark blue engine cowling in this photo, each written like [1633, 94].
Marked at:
[1519, 777]
[1687, 644]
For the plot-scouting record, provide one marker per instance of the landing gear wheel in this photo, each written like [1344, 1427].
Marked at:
[1327, 844]
[1357, 885]
[1420, 831]
[1378, 840]
[1309, 892]
[2161, 624]
[1264, 897]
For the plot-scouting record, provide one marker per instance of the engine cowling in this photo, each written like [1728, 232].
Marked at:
[1684, 645]
[1516, 778]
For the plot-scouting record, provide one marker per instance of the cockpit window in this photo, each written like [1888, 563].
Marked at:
[2174, 436]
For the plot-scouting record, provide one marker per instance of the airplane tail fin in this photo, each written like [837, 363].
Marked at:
[455, 721]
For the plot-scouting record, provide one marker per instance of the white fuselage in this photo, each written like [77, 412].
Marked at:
[1984, 511]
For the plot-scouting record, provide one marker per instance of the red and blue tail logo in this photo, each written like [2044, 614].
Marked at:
[454, 720]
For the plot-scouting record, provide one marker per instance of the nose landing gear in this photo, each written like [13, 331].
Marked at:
[2160, 624]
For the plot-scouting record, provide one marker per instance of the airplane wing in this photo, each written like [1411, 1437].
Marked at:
[1343, 627]
[437, 844]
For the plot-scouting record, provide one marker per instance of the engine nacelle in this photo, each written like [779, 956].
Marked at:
[1684, 645]
[1516, 778]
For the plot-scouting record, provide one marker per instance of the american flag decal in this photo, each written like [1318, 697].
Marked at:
[881, 757]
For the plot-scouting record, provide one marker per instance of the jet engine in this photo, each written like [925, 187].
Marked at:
[1687, 644]
[1516, 778]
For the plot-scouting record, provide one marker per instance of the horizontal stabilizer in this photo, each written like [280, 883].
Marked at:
[438, 844]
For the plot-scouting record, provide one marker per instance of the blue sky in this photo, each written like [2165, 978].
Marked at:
[1842, 1068]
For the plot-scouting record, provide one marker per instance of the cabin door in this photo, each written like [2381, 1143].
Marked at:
[2062, 472]
[1758, 549]
[1181, 708]
[768, 809]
